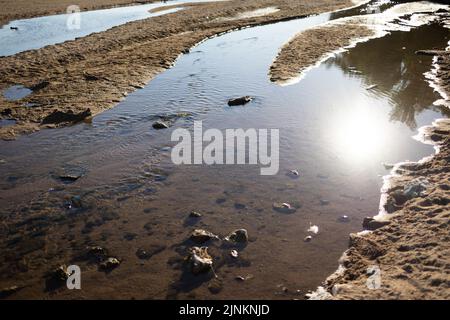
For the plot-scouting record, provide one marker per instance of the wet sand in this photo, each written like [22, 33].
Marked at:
[312, 46]
[84, 77]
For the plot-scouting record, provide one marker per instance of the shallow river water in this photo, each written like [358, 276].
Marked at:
[333, 130]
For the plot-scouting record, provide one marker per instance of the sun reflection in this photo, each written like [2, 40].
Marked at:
[359, 135]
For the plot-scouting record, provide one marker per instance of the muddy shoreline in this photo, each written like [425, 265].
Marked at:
[92, 74]
[408, 242]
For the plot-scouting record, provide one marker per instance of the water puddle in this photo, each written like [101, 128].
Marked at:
[38, 32]
[333, 131]
[16, 92]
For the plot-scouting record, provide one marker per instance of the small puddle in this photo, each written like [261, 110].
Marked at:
[16, 92]
[38, 32]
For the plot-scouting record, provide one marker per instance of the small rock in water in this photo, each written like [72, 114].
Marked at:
[293, 174]
[239, 101]
[195, 214]
[70, 177]
[159, 125]
[60, 273]
[344, 218]
[201, 236]
[109, 264]
[199, 260]
[372, 87]
[237, 236]
[283, 207]
[313, 229]
[307, 239]
[95, 252]
[324, 202]
[14, 28]
[234, 253]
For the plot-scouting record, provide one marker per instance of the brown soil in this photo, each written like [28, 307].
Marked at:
[97, 71]
[310, 46]
[413, 249]
[20, 9]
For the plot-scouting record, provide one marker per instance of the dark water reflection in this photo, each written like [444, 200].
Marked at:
[391, 64]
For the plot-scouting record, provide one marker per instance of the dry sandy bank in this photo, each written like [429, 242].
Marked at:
[97, 71]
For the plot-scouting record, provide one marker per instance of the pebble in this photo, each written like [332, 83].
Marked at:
[201, 236]
[307, 239]
[234, 253]
[239, 101]
[199, 260]
[238, 236]
[283, 207]
[109, 264]
[195, 214]
[159, 125]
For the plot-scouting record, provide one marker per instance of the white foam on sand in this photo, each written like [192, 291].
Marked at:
[251, 14]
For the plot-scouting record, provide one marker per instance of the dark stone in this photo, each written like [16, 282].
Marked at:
[195, 214]
[159, 125]
[109, 264]
[239, 101]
